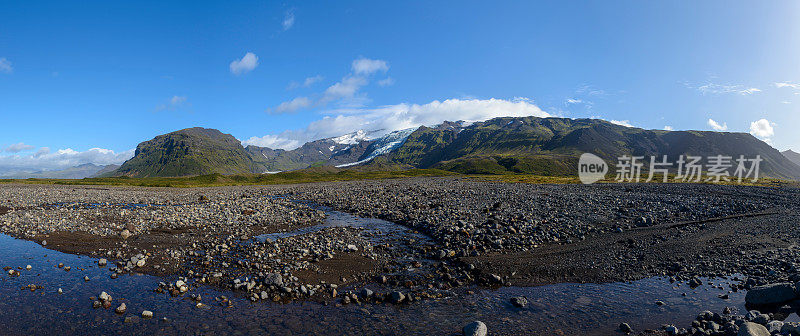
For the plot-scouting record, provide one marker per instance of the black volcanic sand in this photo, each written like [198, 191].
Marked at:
[453, 234]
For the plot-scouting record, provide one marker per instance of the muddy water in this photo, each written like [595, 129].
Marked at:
[567, 309]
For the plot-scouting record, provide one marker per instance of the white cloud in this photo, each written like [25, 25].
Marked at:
[42, 151]
[5, 66]
[787, 85]
[401, 116]
[273, 141]
[18, 147]
[346, 93]
[574, 101]
[717, 126]
[312, 80]
[292, 105]
[626, 123]
[347, 88]
[712, 88]
[247, 63]
[308, 82]
[288, 20]
[388, 81]
[173, 103]
[43, 159]
[668, 128]
[762, 128]
[591, 91]
[366, 66]
[177, 100]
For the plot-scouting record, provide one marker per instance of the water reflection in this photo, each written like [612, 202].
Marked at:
[568, 309]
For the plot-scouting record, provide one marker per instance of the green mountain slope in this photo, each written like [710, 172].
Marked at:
[191, 151]
[551, 146]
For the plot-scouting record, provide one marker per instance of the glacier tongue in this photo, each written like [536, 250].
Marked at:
[384, 145]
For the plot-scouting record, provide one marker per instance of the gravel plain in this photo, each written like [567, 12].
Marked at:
[453, 233]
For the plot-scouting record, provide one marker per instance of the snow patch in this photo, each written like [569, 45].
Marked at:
[351, 138]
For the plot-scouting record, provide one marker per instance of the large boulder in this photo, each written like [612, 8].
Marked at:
[770, 294]
[752, 329]
[476, 328]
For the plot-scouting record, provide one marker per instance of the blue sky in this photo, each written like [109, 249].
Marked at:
[88, 81]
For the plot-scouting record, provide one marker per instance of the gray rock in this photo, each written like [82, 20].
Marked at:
[396, 297]
[624, 327]
[761, 319]
[273, 279]
[695, 282]
[125, 234]
[496, 278]
[147, 314]
[121, 309]
[476, 328]
[770, 294]
[365, 293]
[519, 301]
[752, 329]
[774, 326]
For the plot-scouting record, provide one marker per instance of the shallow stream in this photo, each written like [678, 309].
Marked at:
[560, 309]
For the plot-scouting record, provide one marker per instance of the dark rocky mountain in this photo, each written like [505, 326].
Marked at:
[792, 156]
[191, 151]
[77, 172]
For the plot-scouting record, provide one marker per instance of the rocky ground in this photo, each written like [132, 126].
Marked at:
[478, 233]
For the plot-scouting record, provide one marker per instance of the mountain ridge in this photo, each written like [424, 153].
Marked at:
[531, 145]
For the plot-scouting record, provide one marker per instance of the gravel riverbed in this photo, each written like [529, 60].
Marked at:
[446, 235]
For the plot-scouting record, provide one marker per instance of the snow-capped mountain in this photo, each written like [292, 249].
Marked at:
[344, 149]
[382, 145]
[351, 149]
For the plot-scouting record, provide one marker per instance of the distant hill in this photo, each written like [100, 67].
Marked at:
[106, 171]
[792, 156]
[77, 172]
[191, 151]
